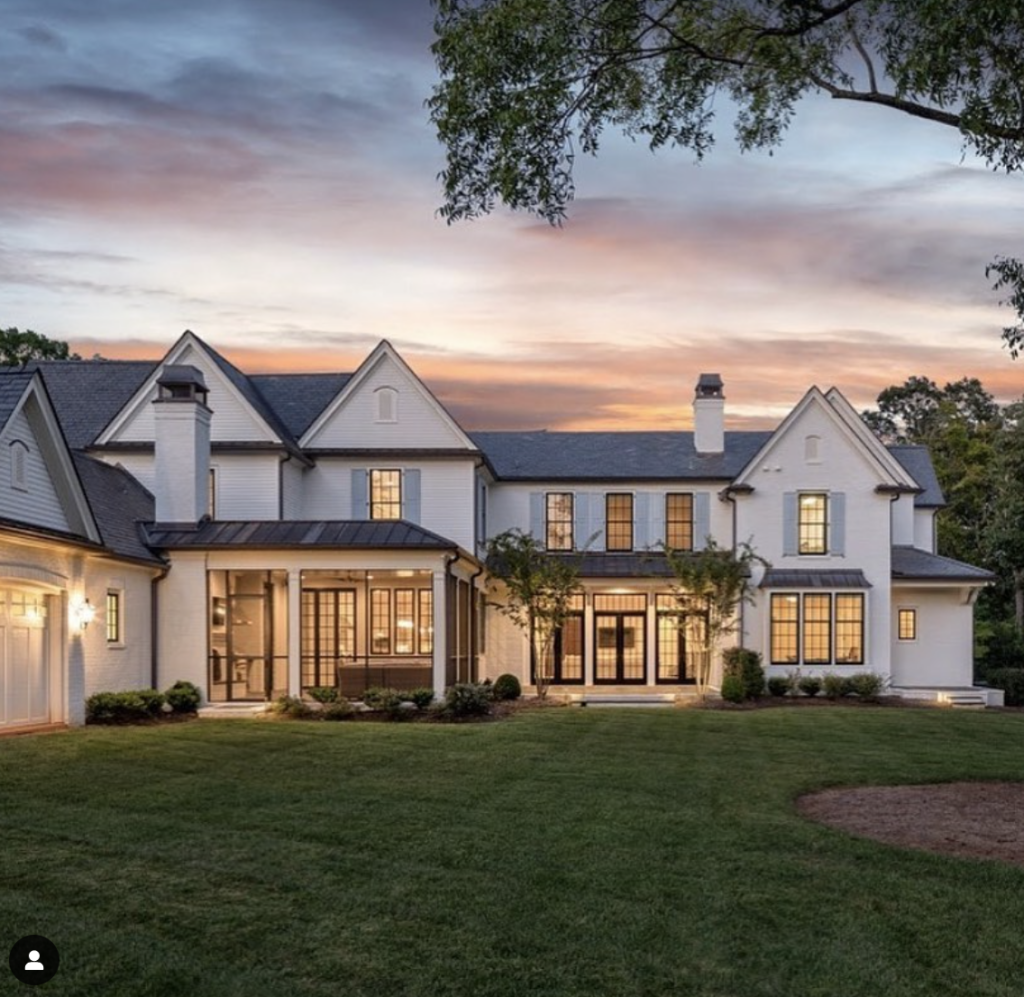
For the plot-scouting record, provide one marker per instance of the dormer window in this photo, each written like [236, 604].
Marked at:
[387, 405]
[19, 466]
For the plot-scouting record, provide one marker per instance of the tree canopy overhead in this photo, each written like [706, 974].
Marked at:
[527, 84]
[18, 347]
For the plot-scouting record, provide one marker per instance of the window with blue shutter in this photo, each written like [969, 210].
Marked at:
[701, 520]
[411, 495]
[789, 547]
[642, 521]
[837, 524]
[537, 516]
[360, 499]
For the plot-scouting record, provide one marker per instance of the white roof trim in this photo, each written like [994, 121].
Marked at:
[381, 350]
[134, 404]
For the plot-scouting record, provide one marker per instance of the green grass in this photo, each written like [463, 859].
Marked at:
[567, 852]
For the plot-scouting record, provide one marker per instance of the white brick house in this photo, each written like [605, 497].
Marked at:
[263, 534]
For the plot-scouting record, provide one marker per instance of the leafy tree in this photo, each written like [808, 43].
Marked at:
[539, 594]
[710, 586]
[525, 84]
[17, 348]
[1006, 536]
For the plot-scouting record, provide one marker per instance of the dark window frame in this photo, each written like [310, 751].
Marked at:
[374, 486]
[615, 529]
[812, 524]
[674, 521]
[558, 524]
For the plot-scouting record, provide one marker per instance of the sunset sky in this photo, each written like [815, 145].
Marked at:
[263, 172]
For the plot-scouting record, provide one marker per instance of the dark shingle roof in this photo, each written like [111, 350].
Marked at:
[813, 578]
[12, 387]
[298, 398]
[119, 504]
[917, 462]
[644, 564]
[912, 564]
[87, 394]
[614, 456]
[358, 535]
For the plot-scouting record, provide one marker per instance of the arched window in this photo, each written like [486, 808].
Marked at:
[387, 405]
[19, 466]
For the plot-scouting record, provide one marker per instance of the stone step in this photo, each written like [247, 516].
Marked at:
[624, 699]
[231, 711]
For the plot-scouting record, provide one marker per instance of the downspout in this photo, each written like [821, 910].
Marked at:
[154, 626]
[280, 485]
[473, 650]
[726, 495]
[448, 562]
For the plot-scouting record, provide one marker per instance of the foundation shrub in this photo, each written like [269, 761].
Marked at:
[506, 687]
[324, 694]
[420, 698]
[733, 689]
[341, 710]
[183, 697]
[778, 685]
[809, 685]
[116, 707]
[290, 706]
[865, 685]
[835, 686]
[466, 699]
[746, 666]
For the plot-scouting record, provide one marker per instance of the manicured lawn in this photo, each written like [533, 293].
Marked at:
[568, 852]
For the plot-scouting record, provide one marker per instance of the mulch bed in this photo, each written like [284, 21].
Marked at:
[973, 819]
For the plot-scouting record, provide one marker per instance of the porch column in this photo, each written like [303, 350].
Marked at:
[440, 632]
[589, 638]
[294, 632]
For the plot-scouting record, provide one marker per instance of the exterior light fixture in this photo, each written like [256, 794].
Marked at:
[83, 614]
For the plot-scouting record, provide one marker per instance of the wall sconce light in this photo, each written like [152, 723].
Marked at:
[83, 614]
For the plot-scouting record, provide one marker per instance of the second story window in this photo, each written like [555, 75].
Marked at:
[113, 616]
[812, 523]
[619, 521]
[558, 525]
[385, 494]
[211, 494]
[679, 521]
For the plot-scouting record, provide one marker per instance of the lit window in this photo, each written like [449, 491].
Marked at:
[405, 621]
[426, 621]
[785, 641]
[385, 495]
[380, 621]
[114, 616]
[558, 530]
[907, 624]
[812, 523]
[850, 629]
[211, 495]
[679, 522]
[619, 521]
[817, 630]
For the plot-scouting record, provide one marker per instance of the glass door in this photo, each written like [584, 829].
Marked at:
[619, 653]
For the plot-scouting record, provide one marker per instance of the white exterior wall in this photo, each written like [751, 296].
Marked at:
[841, 468]
[182, 461]
[903, 521]
[943, 654]
[292, 486]
[509, 507]
[182, 625]
[247, 485]
[418, 423]
[38, 503]
[924, 530]
[233, 419]
[446, 493]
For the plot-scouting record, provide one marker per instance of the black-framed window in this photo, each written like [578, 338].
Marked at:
[619, 521]
[385, 486]
[211, 493]
[850, 628]
[380, 621]
[812, 523]
[906, 624]
[425, 623]
[405, 621]
[679, 521]
[785, 629]
[115, 617]
[558, 521]
[817, 629]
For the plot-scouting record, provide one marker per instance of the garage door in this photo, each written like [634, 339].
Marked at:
[24, 664]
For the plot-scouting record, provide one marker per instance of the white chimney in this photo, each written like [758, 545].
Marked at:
[709, 415]
[182, 445]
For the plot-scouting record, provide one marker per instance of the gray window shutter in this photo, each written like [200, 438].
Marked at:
[481, 512]
[642, 520]
[701, 520]
[656, 537]
[837, 524]
[411, 495]
[537, 517]
[789, 540]
[360, 506]
[596, 521]
[581, 520]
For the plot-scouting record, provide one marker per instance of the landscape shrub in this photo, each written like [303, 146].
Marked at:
[421, 698]
[745, 664]
[506, 687]
[184, 697]
[999, 645]
[778, 685]
[116, 708]
[341, 710]
[1011, 681]
[152, 701]
[866, 685]
[835, 686]
[466, 699]
[290, 706]
[324, 694]
[733, 689]
[809, 685]
[386, 701]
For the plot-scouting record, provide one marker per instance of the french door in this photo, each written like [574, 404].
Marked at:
[619, 648]
[328, 634]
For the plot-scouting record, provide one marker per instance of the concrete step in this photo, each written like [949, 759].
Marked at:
[231, 711]
[964, 700]
[623, 699]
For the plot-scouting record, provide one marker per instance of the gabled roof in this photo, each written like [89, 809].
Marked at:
[347, 534]
[120, 504]
[913, 564]
[614, 456]
[297, 399]
[917, 462]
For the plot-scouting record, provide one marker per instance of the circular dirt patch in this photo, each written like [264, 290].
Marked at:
[976, 819]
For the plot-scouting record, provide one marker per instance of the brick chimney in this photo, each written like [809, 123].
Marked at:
[709, 415]
[182, 438]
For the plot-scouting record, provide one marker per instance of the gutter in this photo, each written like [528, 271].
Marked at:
[154, 626]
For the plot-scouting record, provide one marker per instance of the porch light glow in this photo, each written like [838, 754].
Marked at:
[82, 614]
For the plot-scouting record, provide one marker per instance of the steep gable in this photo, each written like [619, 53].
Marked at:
[240, 414]
[38, 482]
[385, 406]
